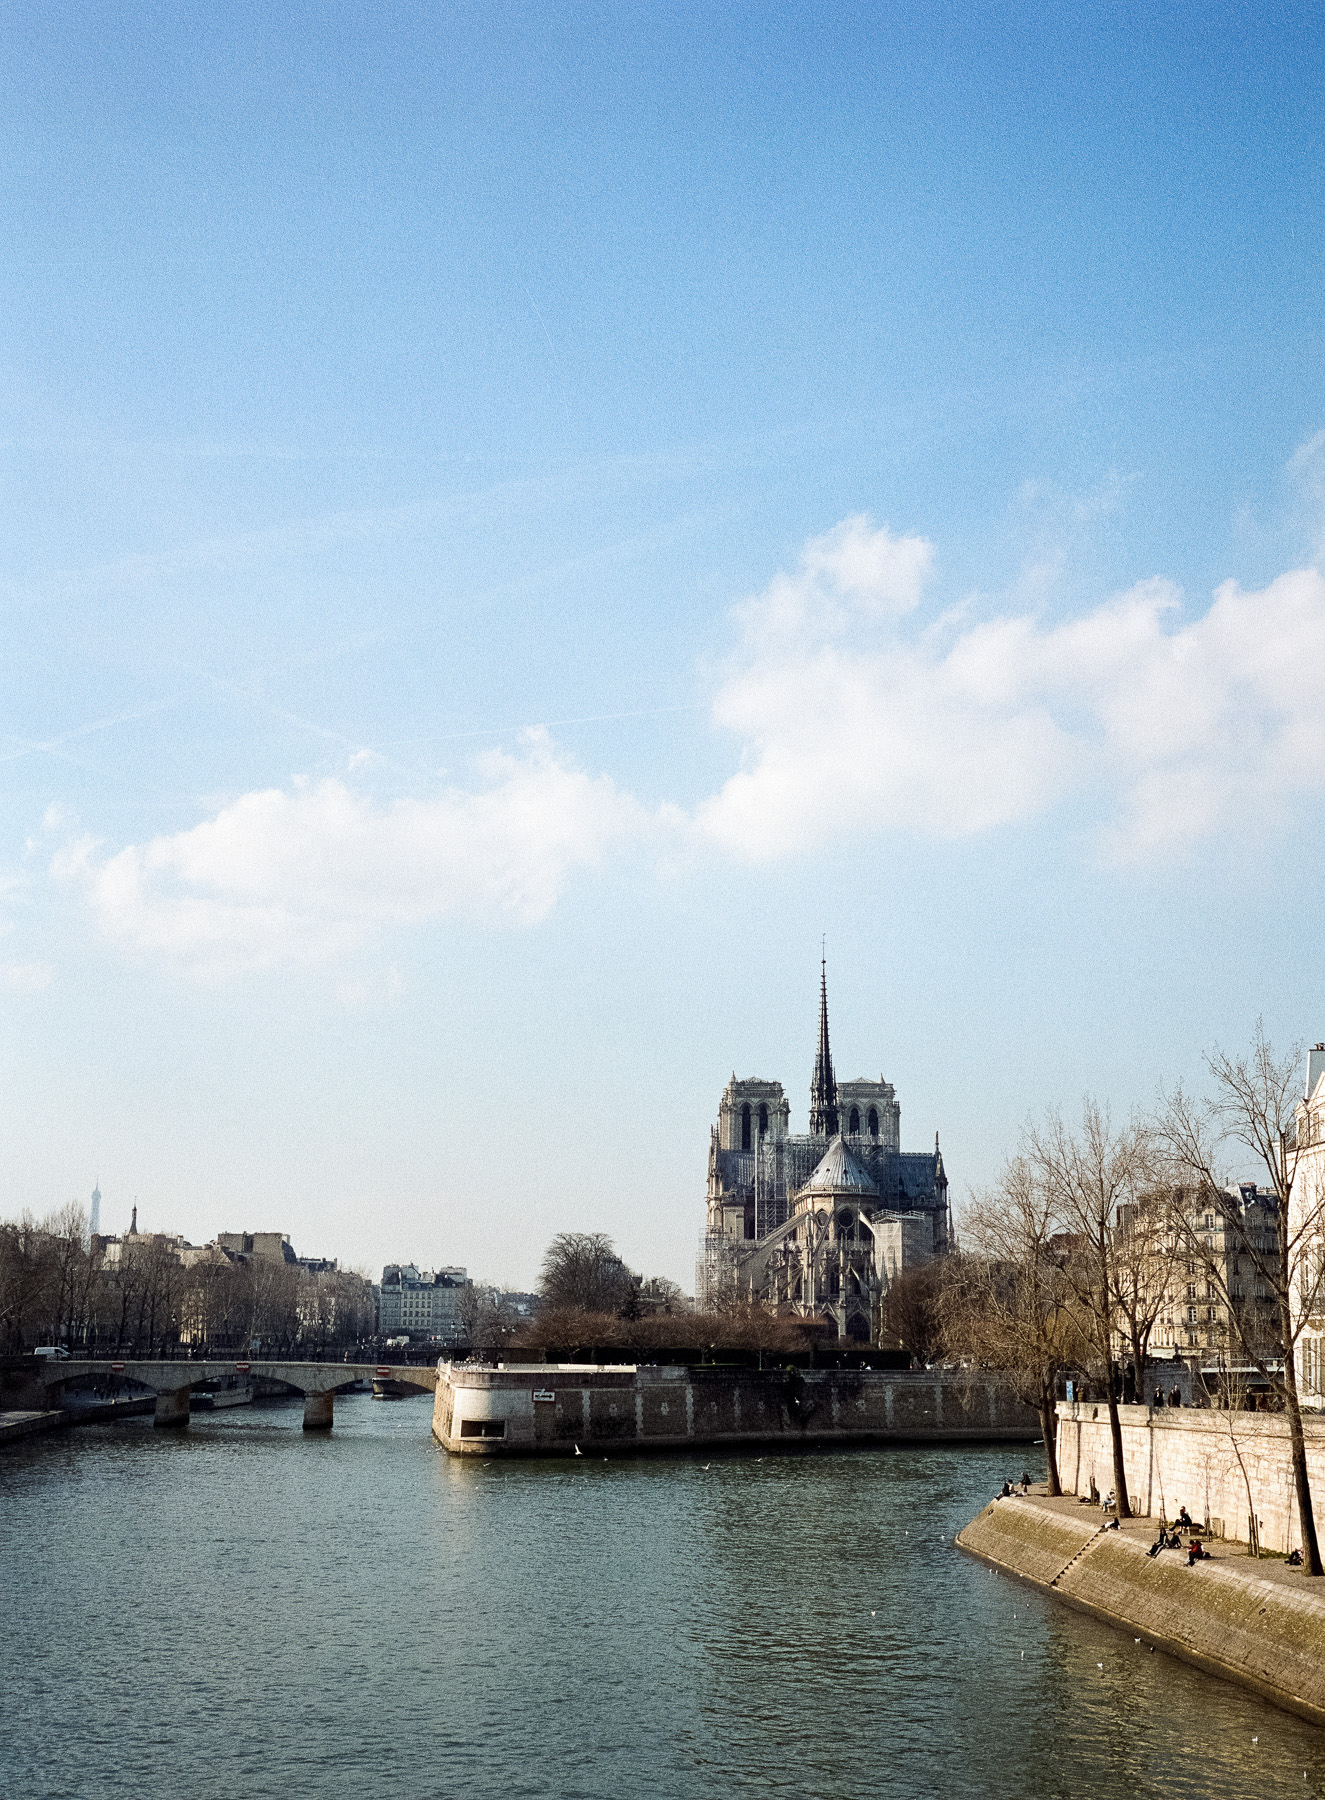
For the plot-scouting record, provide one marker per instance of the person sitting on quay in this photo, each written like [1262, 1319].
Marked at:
[1196, 1552]
[1294, 1559]
[1005, 1492]
[1184, 1519]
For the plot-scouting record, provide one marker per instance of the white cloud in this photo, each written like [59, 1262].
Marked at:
[307, 872]
[856, 716]
[1306, 474]
[25, 977]
[1307, 459]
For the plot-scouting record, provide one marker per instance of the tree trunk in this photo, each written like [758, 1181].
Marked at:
[1301, 1480]
[1140, 1364]
[1048, 1411]
[1105, 1321]
[1116, 1433]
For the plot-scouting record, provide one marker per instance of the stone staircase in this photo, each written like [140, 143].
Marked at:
[1072, 1561]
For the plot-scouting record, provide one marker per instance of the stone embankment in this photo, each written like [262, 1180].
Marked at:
[1249, 1620]
[555, 1409]
[16, 1424]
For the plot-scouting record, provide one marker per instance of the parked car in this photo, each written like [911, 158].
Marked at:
[56, 1352]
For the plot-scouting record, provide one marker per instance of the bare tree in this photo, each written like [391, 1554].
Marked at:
[581, 1269]
[1253, 1105]
[1087, 1175]
[24, 1283]
[1145, 1251]
[488, 1319]
[659, 1294]
[1008, 1304]
[67, 1265]
[911, 1311]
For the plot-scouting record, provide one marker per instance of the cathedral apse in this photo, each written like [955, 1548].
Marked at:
[818, 1225]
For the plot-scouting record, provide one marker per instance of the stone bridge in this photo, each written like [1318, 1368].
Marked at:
[173, 1381]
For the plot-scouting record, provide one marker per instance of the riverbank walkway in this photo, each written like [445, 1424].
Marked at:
[1267, 1566]
[1250, 1619]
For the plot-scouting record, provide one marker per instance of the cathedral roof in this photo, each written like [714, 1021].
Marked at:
[839, 1173]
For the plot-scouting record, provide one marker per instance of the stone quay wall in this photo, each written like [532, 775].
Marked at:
[1222, 1616]
[551, 1409]
[1224, 1467]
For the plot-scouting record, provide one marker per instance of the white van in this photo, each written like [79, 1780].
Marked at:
[56, 1352]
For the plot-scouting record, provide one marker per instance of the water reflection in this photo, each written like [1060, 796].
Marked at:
[247, 1611]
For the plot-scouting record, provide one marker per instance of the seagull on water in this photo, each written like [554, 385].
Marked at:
[577, 1450]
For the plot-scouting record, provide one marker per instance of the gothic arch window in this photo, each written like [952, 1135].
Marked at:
[853, 1122]
[873, 1122]
[763, 1119]
[745, 1127]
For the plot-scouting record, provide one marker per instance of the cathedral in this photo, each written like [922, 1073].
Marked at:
[818, 1226]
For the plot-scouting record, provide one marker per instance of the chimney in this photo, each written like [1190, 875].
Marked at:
[1315, 1067]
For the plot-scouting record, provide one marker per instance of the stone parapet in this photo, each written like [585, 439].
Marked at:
[1224, 1467]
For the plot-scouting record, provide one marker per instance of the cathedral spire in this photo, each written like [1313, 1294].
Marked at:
[823, 1086]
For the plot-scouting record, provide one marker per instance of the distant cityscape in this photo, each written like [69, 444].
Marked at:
[255, 1288]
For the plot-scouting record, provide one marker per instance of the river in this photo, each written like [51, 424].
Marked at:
[247, 1610]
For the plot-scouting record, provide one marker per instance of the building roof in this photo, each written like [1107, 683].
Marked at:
[839, 1173]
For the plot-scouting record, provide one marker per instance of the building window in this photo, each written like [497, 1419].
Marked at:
[763, 1119]
[872, 1118]
[853, 1122]
[1191, 1315]
[745, 1127]
[1313, 1364]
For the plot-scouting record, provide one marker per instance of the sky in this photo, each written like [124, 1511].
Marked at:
[521, 522]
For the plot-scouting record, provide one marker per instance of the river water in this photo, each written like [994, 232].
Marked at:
[247, 1610]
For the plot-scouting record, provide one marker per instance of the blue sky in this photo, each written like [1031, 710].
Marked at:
[519, 519]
